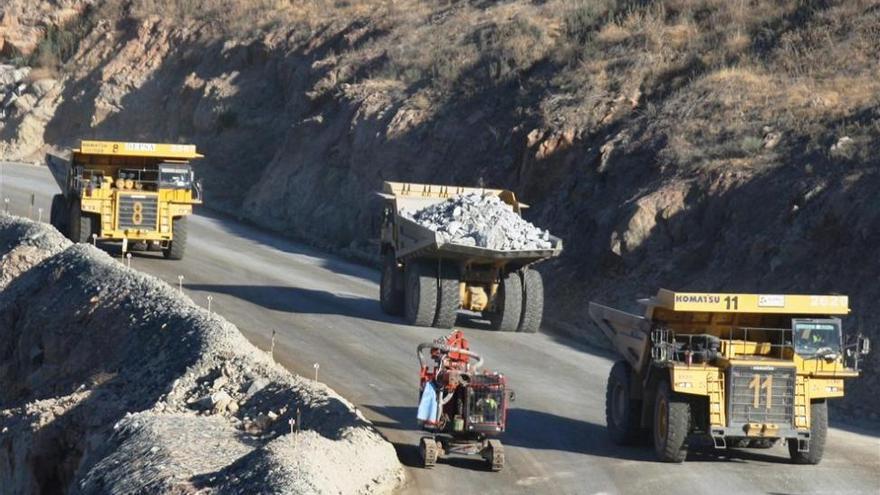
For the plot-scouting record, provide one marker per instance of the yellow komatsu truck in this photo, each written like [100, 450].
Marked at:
[736, 370]
[136, 193]
[428, 279]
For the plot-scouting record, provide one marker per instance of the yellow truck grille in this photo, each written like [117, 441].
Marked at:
[138, 211]
[761, 394]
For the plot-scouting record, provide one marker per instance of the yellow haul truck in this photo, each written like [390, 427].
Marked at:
[139, 193]
[740, 370]
[428, 279]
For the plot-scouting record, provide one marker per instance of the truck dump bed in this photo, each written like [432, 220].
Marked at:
[629, 333]
[415, 240]
[58, 167]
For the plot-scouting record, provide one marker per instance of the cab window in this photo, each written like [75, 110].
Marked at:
[175, 176]
[813, 335]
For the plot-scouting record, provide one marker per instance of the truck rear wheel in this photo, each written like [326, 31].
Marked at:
[508, 305]
[672, 418]
[177, 247]
[58, 213]
[622, 413]
[80, 226]
[448, 295]
[533, 301]
[818, 433]
[420, 296]
[391, 286]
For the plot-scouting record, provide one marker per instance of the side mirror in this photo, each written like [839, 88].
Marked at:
[197, 189]
[857, 347]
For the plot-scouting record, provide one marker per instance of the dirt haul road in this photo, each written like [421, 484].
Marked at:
[325, 310]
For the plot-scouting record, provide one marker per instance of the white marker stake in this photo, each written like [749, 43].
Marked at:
[39, 214]
[6, 203]
[316, 366]
[95, 240]
[210, 298]
[272, 348]
[128, 259]
[180, 284]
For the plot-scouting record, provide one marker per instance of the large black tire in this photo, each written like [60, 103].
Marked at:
[622, 413]
[448, 295]
[391, 286]
[818, 434]
[177, 247]
[420, 295]
[533, 301]
[58, 213]
[508, 306]
[80, 226]
[672, 418]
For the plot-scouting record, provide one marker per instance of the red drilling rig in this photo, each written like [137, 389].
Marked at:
[461, 405]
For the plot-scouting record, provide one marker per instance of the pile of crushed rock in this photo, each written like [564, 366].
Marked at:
[480, 220]
[113, 382]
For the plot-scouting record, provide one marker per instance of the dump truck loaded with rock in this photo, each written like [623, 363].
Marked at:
[447, 248]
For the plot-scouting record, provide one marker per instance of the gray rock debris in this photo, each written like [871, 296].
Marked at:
[483, 221]
[12, 86]
[112, 382]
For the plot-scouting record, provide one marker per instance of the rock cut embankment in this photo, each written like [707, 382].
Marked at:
[113, 382]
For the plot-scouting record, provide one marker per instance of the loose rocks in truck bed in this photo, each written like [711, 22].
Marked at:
[483, 221]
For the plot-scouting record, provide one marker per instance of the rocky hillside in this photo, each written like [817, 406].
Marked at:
[692, 144]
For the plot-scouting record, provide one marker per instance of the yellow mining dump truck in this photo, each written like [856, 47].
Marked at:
[741, 370]
[428, 279]
[139, 193]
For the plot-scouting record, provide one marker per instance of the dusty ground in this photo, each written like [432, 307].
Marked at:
[111, 382]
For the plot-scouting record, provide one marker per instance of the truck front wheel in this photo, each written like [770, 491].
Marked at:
[533, 301]
[420, 296]
[672, 417]
[177, 247]
[80, 226]
[508, 304]
[391, 286]
[448, 295]
[818, 433]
